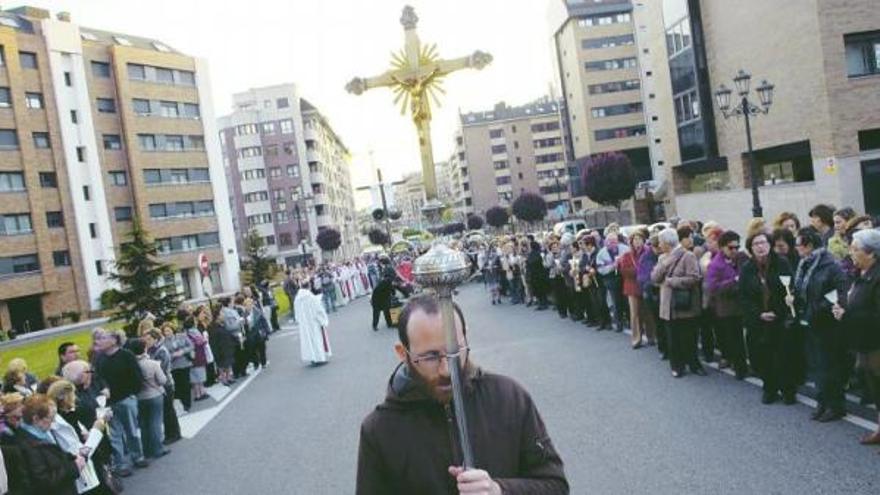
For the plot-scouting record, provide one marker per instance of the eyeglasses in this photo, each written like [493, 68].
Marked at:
[432, 360]
[733, 247]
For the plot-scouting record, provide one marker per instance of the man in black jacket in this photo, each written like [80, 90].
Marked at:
[409, 445]
[120, 371]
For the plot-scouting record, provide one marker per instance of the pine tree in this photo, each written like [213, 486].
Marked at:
[257, 267]
[142, 280]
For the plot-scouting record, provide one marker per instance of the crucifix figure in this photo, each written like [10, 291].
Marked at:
[416, 75]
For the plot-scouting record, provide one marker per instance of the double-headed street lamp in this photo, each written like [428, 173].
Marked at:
[747, 109]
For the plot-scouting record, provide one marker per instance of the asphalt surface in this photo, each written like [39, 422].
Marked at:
[622, 424]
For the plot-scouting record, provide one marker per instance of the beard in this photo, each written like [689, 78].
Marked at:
[438, 387]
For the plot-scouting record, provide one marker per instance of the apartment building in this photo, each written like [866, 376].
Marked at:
[819, 141]
[97, 128]
[599, 59]
[505, 151]
[287, 173]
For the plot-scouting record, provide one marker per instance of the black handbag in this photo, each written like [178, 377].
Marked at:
[682, 299]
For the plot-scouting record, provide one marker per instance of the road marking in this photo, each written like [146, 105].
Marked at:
[192, 423]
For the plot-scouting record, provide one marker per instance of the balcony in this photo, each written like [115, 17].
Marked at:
[324, 220]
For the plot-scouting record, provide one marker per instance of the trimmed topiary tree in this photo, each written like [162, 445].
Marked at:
[378, 237]
[608, 178]
[530, 207]
[497, 216]
[329, 239]
[475, 222]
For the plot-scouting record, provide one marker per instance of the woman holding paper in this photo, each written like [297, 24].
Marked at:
[863, 311]
[74, 438]
[762, 287]
[818, 284]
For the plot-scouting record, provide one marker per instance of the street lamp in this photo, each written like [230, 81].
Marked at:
[308, 199]
[556, 175]
[747, 109]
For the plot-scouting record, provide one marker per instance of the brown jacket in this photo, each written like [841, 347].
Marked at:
[669, 274]
[410, 440]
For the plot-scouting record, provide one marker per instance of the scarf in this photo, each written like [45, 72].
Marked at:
[37, 433]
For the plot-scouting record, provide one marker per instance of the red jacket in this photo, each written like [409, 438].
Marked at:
[627, 265]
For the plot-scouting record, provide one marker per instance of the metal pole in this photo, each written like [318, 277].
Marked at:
[384, 204]
[757, 211]
[441, 269]
[558, 192]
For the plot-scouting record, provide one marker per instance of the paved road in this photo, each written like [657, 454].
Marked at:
[620, 422]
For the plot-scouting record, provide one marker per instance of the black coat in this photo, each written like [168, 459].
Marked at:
[381, 297]
[408, 442]
[752, 295]
[811, 304]
[862, 317]
[535, 271]
[44, 468]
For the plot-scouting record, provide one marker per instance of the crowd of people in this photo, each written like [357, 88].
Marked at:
[112, 409]
[784, 301]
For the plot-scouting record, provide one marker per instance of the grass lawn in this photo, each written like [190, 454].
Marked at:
[42, 355]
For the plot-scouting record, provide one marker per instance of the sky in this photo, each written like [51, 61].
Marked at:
[320, 45]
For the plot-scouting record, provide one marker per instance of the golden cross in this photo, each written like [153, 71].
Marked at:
[416, 73]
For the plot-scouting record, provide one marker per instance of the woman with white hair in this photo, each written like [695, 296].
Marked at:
[862, 312]
[69, 433]
[677, 273]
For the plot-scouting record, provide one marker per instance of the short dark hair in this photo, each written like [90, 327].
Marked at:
[136, 346]
[727, 237]
[751, 239]
[809, 237]
[430, 305]
[62, 349]
[684, 232]
[824, 212]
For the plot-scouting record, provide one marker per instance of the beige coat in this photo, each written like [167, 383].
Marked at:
[685, 276]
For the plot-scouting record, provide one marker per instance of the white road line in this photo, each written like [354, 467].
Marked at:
[192, 423]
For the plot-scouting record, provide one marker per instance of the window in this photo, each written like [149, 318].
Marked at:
[496, 133]
[499, 148]
[48, 180]
[173, 143]
[282, 217]
[28, 60]
[246, 129]
[544, 127]
[93, 230]
[137, 71]
[259, 219]
[204, 208]
[862, 53]
[112, 142]
[15, 224]
[2, 57]
[122, 213]
[687, 107]
[549, 158]
[292, 171]
[608, 42]
[165, 76]
[19, 264]
[34, 100]
[118, 178]
[147, 142]
[604, 20]
[122, 41]
[81, 153]
[271, 150]
[8, 139]
[61, 258]
[5, 98]
[11, 182]
[250, 151]
[275, 172]
[285, 239]
[191, 111]
[268, 127]
[286, 126]
[502, 180]
[186, 78]
[612, 64]
[169, 109]
[256, 197]
[158, 210]
[620, 132]
[288, 148]
[41, 140]
[196, 142]
[101, 69]
[547, 143]
[141, 106]
[73, 117]
[178, 176]
[621, 109]
[99, 267]
[282, 103]
[68, 79]
[106, 105]
[86, 195]
[501, 165]
[269, 240]
[54, 219]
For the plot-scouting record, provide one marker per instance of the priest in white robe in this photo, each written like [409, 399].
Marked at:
[314, 345]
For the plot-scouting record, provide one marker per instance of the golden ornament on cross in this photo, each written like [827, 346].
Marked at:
[416, 76]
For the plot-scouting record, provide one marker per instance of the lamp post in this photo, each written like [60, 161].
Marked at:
[308, 204]
[556, 175]
[747, 109]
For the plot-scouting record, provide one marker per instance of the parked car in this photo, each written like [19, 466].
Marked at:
[572, 226]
